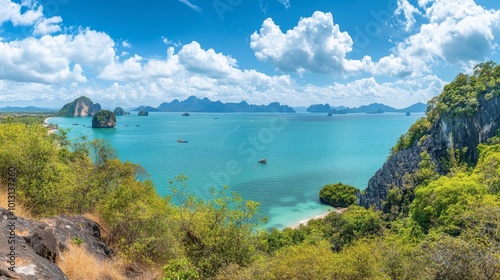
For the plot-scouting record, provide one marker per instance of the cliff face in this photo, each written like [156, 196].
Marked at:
[80, 107]
[457, 132]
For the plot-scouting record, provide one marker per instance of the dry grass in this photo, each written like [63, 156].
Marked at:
[20, 211]
[78, 264]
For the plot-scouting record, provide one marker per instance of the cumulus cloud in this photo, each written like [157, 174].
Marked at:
[194, 69]
[407, 10]
[55, 59]
[457, 32]
[399, 93]
[46, 26]
[26, 13]
[316, 44]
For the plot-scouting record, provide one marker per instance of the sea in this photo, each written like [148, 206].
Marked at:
[304, 152]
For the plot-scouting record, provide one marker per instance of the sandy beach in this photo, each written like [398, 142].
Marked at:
[304, 222]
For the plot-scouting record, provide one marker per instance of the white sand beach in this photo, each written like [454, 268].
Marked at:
[304, 222]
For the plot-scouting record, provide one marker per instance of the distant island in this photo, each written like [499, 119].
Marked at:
[194, 104]
[374, 108]
[28, 109]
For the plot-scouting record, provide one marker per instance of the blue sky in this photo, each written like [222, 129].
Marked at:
[298, 53]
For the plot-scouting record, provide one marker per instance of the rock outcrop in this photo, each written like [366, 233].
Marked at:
[104, 119]
[143, 113]
[38, 244]
[463, 133]
[80, 107]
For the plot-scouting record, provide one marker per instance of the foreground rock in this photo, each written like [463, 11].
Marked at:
[38, 245]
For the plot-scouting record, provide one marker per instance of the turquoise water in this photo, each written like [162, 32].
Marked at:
[304, 152]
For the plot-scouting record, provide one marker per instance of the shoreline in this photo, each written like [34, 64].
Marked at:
[304, 222]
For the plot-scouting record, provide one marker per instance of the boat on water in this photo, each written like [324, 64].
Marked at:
[75, 124]
[264, 161]
[182, 141]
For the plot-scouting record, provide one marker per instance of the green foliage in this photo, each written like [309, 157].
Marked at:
[103, 118]
[31, 118]
[442, 201]
[218, 231]
[353, 224]
[338, 195]
[460, 97]
[77, 241]
[488, 167]
[180, 269]
[420, 128]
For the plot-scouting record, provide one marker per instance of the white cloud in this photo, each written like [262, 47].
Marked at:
[407, 10]
[316, 44]
[285, 3]
[12, 12]
[457, 32]
[400, 93]
[55, 59]
[168, 42]
[46, 26]
[191, 5]
[126, 44]
[194, 70]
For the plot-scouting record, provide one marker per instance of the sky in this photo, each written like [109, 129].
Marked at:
[295, 52]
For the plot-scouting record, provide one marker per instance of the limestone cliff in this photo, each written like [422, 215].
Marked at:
[462, 132]
[80, 107]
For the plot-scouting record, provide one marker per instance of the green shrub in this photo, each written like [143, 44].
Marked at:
[338, 195]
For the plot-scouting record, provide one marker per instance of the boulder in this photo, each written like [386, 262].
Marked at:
[39, 244]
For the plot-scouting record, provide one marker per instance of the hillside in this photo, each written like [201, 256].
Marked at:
[466, 114]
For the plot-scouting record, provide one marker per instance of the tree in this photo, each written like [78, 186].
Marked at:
[338, 195]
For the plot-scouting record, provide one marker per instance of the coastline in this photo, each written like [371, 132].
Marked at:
[304, 222]
[46, 123]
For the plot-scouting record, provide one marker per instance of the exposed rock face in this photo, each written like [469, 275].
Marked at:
[104, 119]
[391, 174]
[80, 107]
[457, 132]
[39, 244]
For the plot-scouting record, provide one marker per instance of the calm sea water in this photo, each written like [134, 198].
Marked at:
[303, 151]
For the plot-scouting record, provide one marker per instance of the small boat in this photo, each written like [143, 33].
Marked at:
[263, 161]
[185, 115]
[75, 124]
[137, 125]
[182, 141]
